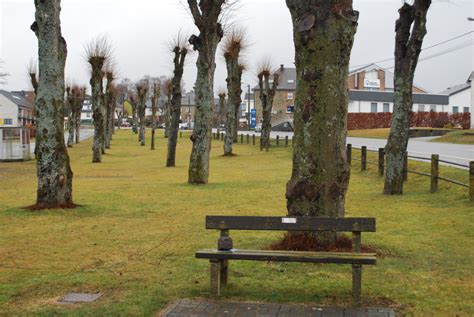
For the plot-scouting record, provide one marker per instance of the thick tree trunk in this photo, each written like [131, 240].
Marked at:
[142, 96]
[98, 111]
[71, 122]
[78, 101]
[267, 95]
[179, 58]
[154, 107]
[323, 35]
[108, 111]
[408, 44]
[206, 19]
[53, 167]
[234, 79]
[168, 115]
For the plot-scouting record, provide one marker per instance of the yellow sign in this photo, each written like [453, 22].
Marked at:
[1, 121]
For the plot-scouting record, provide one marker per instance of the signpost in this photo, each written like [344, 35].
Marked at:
[253, 118]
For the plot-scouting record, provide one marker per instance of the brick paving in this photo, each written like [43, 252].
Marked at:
[203, 308]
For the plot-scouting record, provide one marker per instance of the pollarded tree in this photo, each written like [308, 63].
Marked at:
[53, 168]
[79, 95]
[132, 97]
[221, 110]
[206, 16]
[234, 43]
[323, 36]
[109, 103]
[142, 93]
[267, 94]
[180, 51]
[156, 86]
[98, 53]
[71, 116]
[410, 31]
[168, 91]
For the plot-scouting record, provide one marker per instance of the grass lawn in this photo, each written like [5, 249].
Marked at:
[369, 133]
[459, 137]
[139, 224]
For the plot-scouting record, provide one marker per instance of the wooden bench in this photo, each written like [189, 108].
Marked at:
[219, 258]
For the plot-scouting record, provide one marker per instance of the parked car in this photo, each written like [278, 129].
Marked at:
[184, 126]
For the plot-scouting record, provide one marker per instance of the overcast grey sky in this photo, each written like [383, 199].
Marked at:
[140, 29]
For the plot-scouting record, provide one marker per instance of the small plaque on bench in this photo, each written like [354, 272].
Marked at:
[288, 220]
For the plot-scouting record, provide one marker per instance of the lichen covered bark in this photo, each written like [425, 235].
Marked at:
[109, 110]
[98, 109]
[206, 16]
[234, 82]
[410, 32]
[154, 108]
[142, 91]
[267, 94]
[178, 61]
[53, 168]
[323, 36]
[71, 122]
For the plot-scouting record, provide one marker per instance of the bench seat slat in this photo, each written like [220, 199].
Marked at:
[289, 256]
[290, 223]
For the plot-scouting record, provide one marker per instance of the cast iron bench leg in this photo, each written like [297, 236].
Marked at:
[224, 272]
[215, 277]
[356, 284]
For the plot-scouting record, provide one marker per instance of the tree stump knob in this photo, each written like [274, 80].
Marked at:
[225, 244]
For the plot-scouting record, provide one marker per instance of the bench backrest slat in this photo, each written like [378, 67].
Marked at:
[290, 223]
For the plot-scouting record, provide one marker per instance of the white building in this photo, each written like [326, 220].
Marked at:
[461, 98]
[382, 101]
[15, 109]
[86, 111]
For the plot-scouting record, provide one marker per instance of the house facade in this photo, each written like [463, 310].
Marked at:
[370, 90]
[86, 111]
[15, 109]
[461, 98]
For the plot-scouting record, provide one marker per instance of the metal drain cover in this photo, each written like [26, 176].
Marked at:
[76, 298]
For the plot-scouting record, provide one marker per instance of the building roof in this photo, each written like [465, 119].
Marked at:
[286, 81]
[456, 89]
[18, 98]
[389, 76]
[388, 96]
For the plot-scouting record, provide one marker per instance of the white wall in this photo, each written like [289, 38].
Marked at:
[8, 110]
[461, 99]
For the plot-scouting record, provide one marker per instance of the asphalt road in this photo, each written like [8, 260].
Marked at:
[421, 147]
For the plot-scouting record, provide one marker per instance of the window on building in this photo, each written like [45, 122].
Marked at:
[291, 81]
[433, 108]
[8, 121]
[290, 96]
[88, 115]
[455, 109]
[466, 110]
[290, 109]
[421, 108]
[373, 107]
[386, 107]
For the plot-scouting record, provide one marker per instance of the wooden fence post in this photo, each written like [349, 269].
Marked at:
[471, 180]
[434, 173]
[405, 167]
[180, 134]
[349, 154]
[278, 140]
[241, 139]
[248, 139]
[381, 161]
[286, 140]
[253, 139]
[363, 158]
[222, 136]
